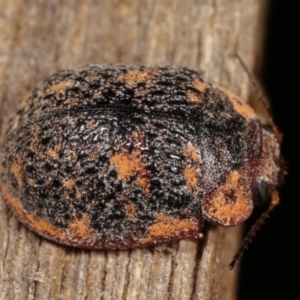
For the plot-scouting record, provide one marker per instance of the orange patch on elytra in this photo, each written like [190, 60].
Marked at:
[194, 96]
[70, 154]
[16, 170]
[192, 152]
[130, 210]
[71, 122]
[36, 136]
[87, 183]
[166, 225]
[74, 101]
[190, 176]
[129, 163]
[50, 153]
[239, 104]
[133, 77]
[79, 228]
[142, 181]
[92, 154]
[124, 164]
[92, 78]
[200, 85]
[78, 194]
[31, 181]
[230, 204]
[40, 225]
[68, 183]
[190, 172]
[58, 87]
[98, 94]
[43, 226]
[90, 123]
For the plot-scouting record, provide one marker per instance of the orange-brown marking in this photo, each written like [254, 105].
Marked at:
[124, 163]
[78, 194]
[57, 127]
[71, 122]
[36, 136]
[16, 170]
[69, 153]
[131, 162]
[274, 199]
[31, 181]
[92, 154]
[92, 78]
[98, 94]
[128, 163]
[50, 153]
[166, 225]
[130, 210]
[200, 85]
[68, 183]
[194, 96]
[90, 123]
[190, 176]
[190, 172]
[87, 183]
[43, 226]
[133, 77]
[142, 181]
[227, 212]
[79, 228]
[239, 104]
[191, 152]
[74, 101]
[58, 87]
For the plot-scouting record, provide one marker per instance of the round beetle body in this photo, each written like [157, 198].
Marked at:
[123, 156]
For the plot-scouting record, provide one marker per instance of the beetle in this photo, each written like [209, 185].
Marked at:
[123, 156]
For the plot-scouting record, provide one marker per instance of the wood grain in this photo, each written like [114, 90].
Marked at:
[37, 37]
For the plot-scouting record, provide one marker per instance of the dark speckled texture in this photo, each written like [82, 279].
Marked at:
[121, 156]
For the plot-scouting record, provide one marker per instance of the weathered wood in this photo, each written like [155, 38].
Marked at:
[38, 37]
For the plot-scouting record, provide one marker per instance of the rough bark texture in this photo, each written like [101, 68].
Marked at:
[38, 37]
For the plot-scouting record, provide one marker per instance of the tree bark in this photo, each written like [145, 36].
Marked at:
[38, 37]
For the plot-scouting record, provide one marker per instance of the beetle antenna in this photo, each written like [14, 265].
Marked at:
[251, 233]
[260, 97]
[254, 85]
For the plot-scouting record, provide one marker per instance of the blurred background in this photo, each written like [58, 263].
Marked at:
[276, 278]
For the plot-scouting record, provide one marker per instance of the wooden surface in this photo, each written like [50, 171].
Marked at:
[38, 37]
